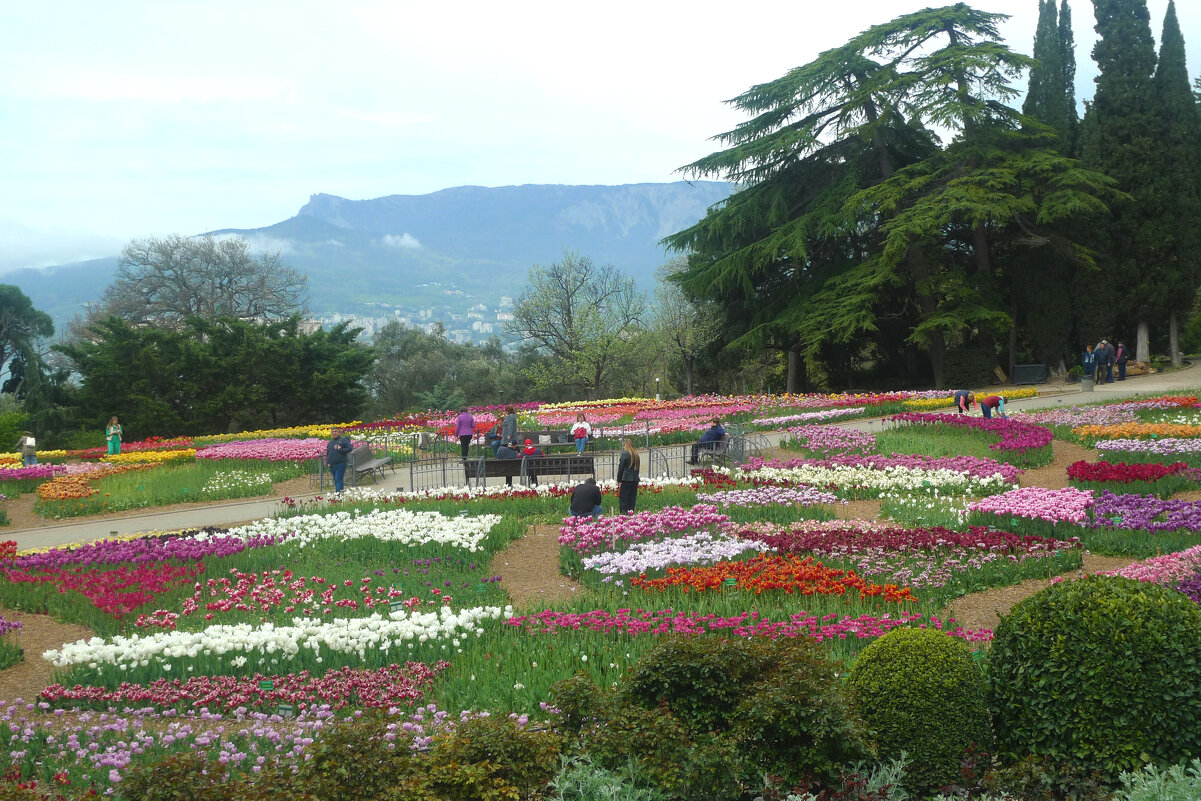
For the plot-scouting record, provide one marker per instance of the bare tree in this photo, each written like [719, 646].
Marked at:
[581, 314]
[687, 325]
[164, 281]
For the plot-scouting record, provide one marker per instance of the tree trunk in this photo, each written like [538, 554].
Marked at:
[688, 375]
[1142, 350]
[794, 370]
[1173, 342]
[938, 351]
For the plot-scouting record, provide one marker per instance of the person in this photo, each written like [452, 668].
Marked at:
[993, 402]
[1110, 358]
[507, 452]
[531, 449]
[113, 435]
[582, 431]
[336, 456]
[627, 478]
[508, 430]
[465, 430]
[586, 500]
[1089, 362]
[494, 436]
[1122, 356]
[964, 401]
[28, 446]
[715, 433]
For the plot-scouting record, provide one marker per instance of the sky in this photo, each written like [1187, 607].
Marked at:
[132, 119]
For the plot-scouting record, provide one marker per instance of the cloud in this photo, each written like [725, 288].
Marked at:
[405, 242]
[21, 246]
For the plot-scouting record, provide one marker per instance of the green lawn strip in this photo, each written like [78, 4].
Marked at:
[942, 441]
[203, 480]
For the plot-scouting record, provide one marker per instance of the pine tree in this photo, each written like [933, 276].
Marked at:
[1177, 187]
[1046, 100]
[1118, 137]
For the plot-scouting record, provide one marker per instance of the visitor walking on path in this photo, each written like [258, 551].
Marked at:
[28, 448]
[465, 430]
[113, 435]
[627, 478]
[336, 456]
[586, 500]
[582, 431]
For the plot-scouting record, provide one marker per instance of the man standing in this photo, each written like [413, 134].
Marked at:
[1110, 358]
[1122, 356]
[336, 456]
[586, 500]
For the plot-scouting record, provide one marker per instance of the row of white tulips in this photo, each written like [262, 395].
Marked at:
[391, 525]
[891, 479]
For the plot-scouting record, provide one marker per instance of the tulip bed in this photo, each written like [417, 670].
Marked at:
[391, 601]
[1162, 480]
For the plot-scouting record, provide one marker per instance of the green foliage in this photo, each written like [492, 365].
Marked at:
[1103, 674]
[579, 779]
[1043, 779]
[194, 777]
[1176, 783]
[513, 762]
[968, 367]
[218, 376]
[21, 327]
[12, 423]
[353, 760]
[920, 693]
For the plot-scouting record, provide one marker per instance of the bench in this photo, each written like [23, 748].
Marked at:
[529, 467]
[715, 451]
[361, 461]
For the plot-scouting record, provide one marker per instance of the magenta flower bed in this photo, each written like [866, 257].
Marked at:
[971, 465]
[270, 449]
[831, 440]
[840, 539]
[586, 536]
[39, 472]
[1068, 505]
[1015, 436]
[748, 624]
[140, 551]
[1167, 569]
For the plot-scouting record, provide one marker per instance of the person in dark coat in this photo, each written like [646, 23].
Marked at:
[1110, 358]
[586, 500]
[1122, 357]
[506, 452]
[336, 457]
[714, 433]
[964, 401]
[1089, 362]
[627, 478]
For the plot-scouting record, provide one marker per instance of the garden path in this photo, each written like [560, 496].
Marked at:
[38, 634]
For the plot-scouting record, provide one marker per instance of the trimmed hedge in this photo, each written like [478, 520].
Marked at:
[1103, 673]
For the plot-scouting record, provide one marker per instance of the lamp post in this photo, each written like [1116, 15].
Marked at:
[656, 389]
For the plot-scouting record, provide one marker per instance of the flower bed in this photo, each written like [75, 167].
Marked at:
[274, 449]
[1146, 513]
[1055, 509]
[394, 525]
[585, 536]
[1018, 441]
[1138, 431]
[381, 688]
[1154, 450]
[1158, 479]
[1169, 569]
[695, 549]
[830, 440]
[764, 573]
[150, 457]
[639, 622]
[870, 476]
[769, 496]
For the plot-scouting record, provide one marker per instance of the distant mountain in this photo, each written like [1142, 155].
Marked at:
[455, 247]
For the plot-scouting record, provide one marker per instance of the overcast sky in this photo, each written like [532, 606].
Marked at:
[128, 119]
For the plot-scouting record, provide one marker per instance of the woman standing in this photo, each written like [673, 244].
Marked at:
[113, 435]
[465, 430]
[627, 478]
[582, 431]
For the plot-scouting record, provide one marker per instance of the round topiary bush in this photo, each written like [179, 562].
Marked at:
[919, 691]
[1103, 673]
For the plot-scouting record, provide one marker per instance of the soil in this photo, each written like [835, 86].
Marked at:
[1055, 474]
[529, 570]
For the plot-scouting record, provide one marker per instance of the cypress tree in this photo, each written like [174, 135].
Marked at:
[1177, 187]
[1118, 137]
[1067, 58]
[1046, 101]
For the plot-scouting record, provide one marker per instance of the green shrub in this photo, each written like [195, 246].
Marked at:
[194, 777]
[513, 761]
[1043, 779]
[919, 692]
[579, 779]
[1103, 674]
[1177, 783]
[352, 760]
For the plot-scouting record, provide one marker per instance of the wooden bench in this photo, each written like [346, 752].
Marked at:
[361, 461]
[715, 451]
[529, 467]
[555, 438]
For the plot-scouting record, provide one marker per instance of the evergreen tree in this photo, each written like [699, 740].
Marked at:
[1046, 100]
[1177, 187]
[1067, 58]
[1119, 137]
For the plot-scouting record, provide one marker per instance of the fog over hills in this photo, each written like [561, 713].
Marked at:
[448, 249]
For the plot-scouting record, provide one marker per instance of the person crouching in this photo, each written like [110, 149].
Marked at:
[586, 500]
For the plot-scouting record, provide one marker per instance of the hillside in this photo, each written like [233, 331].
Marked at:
[442, 251]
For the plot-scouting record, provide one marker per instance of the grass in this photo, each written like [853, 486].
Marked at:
[176, 483]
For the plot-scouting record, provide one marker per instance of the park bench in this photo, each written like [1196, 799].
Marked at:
[362, 461]
[529, 467]
[716, 451]
[546, 439]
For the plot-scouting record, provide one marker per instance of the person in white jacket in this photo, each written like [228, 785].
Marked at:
[581, 431]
